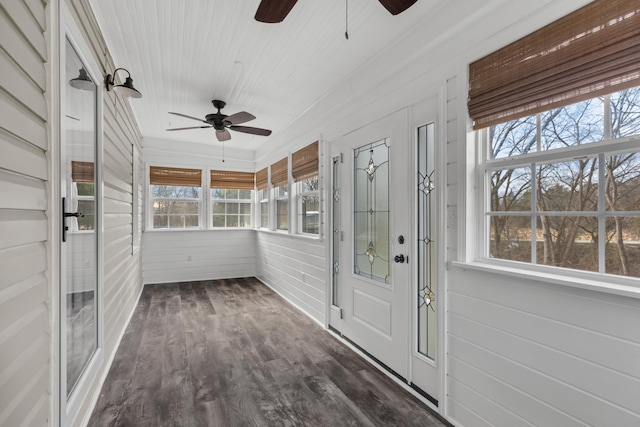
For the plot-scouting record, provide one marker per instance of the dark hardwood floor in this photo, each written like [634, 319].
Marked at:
[234, 353]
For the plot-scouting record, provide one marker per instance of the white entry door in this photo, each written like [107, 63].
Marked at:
[386, 244]
[375, 255]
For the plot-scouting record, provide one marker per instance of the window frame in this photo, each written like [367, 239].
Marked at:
[278, 199]
[299, 211]
[599, 150]
[202, 225]
[262, 207]
[239, 201]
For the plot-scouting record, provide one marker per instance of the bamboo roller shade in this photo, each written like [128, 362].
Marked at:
[82, 171]
[262, 178]
[588, 53]
[304, 162]
[232, 180]
[175, 176]
[279, 173]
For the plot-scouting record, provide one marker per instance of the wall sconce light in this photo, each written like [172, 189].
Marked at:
[125, 89]
[83, 81]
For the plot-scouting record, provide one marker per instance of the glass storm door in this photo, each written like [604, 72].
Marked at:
[80, 225]
[375, 276]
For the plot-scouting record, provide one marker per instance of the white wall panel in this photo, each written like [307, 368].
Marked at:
[294, 267]
[25, 342]
[572, 352]
[178, 256]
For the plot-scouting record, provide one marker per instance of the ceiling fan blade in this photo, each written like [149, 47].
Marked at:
[192, 127]
[274, 11]
[241, 117]
[252, 131]
[397, 6]
[223, 135]
[188, 117]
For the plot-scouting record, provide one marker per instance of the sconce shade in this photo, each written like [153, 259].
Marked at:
[83, 81]
[125, 89]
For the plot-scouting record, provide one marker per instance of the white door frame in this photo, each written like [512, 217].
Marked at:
[334, 320]
[69, 408]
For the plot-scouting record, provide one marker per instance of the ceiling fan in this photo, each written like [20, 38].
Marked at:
[274, 11]
[221, 122]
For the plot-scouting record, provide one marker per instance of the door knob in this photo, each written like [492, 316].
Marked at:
[399, 258]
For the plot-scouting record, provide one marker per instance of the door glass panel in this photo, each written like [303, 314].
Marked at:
[426, 250]
[79, 141]
[371, 212]
[335, 209]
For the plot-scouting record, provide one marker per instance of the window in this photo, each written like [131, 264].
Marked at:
[280, 184]
[82, 195]
[564, 186]
[282, 207]
[230, 207]
[308, 205]
[231, 196]
[262, 179]
[175, 197]
[562, 164]
[263, 199]
[304, 170]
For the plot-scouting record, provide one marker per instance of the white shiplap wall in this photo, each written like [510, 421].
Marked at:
[122, 265]
[25, 340]
[174, 256]
[177, 256]
[523, 352]
[295, 267]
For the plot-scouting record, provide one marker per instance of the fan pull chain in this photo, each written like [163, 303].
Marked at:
[346, 19]
[222, 151]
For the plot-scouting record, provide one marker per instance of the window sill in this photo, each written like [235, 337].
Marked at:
[192, 230]
[284, 233]
[581, 280]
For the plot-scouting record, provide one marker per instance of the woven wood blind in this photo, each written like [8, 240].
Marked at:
[175, 176]
[232, 180]
[82, 171]
[262, 178]
[304, 162]
[279, 172]
[590, 52]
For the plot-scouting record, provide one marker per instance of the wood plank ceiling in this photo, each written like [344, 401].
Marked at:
[183, 54]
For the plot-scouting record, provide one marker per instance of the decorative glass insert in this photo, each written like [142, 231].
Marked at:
[426, 245]
[335, 201]
[371, 212]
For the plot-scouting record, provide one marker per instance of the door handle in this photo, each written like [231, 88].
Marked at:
[66, 215]
[399, 258]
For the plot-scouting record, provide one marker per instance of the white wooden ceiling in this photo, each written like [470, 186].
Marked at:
[183, 54]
